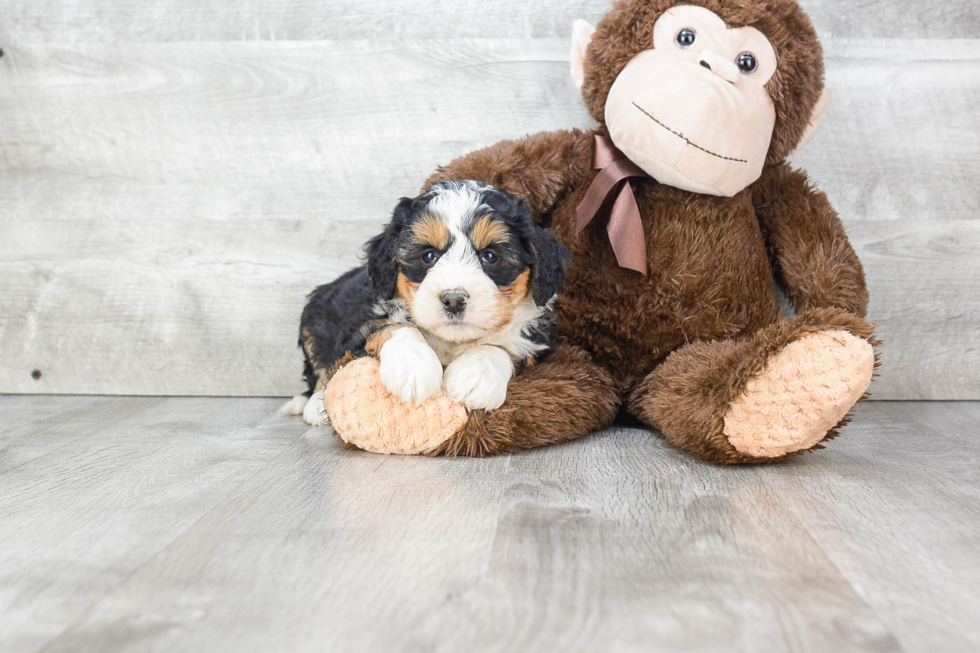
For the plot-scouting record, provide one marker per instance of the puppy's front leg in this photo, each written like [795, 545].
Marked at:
[478, 377]
[410, 369]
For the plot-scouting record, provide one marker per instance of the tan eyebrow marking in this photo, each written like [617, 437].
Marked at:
[432, 231]
[487, 231]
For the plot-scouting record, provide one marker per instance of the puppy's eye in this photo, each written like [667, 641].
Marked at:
[488, 257]
[430, 257]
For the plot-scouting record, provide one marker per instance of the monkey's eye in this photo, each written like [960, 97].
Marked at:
[686, 37]
[747, 63]
[429, 257]
[488, 257]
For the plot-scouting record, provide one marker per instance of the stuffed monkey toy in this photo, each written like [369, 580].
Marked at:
[682, 216]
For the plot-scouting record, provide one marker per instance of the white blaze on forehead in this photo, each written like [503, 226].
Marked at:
[457, 203]
[459, 267]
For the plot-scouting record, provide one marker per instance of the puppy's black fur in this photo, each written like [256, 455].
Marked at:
[332, 323]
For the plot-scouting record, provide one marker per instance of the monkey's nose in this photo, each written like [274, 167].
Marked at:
[454, 301]
[720, 66]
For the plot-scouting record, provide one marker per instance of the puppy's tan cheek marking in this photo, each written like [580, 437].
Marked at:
[487, 231]
[406, 289]
[508, 298]
[377, 339]
[518, 290]
[431, 231]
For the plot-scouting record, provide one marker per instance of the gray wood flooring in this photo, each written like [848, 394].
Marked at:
[150, 524]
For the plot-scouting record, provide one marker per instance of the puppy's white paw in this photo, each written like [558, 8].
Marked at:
[294, 406]
[478, 378]
[315, 413]
[410, 370]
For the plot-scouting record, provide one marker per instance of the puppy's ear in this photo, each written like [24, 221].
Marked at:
[551, 260]
[550, 265]
[380, 251]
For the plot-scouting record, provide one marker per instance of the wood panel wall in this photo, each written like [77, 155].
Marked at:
[175, 175]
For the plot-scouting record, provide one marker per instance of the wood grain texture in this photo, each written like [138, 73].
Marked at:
[924, 457]
[54, 21]
[901, 139]
[924, 297]
[166, 207]
[215, 525]
[83, 515]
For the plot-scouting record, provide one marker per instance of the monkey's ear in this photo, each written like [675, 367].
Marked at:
[581, 37]
[819, 111]
[380, 252]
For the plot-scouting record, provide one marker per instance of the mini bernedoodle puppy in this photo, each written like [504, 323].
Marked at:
[456, 294]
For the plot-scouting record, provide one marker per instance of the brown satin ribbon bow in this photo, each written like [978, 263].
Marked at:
[625, 228]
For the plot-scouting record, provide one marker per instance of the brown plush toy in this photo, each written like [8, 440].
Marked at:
[681, 213]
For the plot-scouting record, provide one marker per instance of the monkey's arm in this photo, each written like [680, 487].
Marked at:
[813, 260]
[540, 168]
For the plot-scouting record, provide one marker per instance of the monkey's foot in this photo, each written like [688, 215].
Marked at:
[800, 395]
[366, 415]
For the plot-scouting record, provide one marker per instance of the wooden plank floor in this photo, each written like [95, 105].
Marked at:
[145, 524]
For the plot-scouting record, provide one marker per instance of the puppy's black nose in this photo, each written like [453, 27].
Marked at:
[454, 301]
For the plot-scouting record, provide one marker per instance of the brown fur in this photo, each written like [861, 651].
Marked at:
[688, 395]
[551, 403]
[678, 345]
[431, 231]
[486, 231]
[809, 251]
[539, 168]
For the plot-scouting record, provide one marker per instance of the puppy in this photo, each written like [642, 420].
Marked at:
[456, 295]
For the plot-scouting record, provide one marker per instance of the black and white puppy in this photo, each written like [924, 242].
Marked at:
[456, 295]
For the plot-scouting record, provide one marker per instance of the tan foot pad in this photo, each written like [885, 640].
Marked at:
[803, 392]
[366, 415]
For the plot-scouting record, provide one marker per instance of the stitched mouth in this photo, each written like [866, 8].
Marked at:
[684, 138]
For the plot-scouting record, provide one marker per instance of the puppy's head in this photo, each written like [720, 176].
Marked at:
[463, 257]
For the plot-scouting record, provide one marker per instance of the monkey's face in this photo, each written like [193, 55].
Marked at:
[692, 107]
[693, 111]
